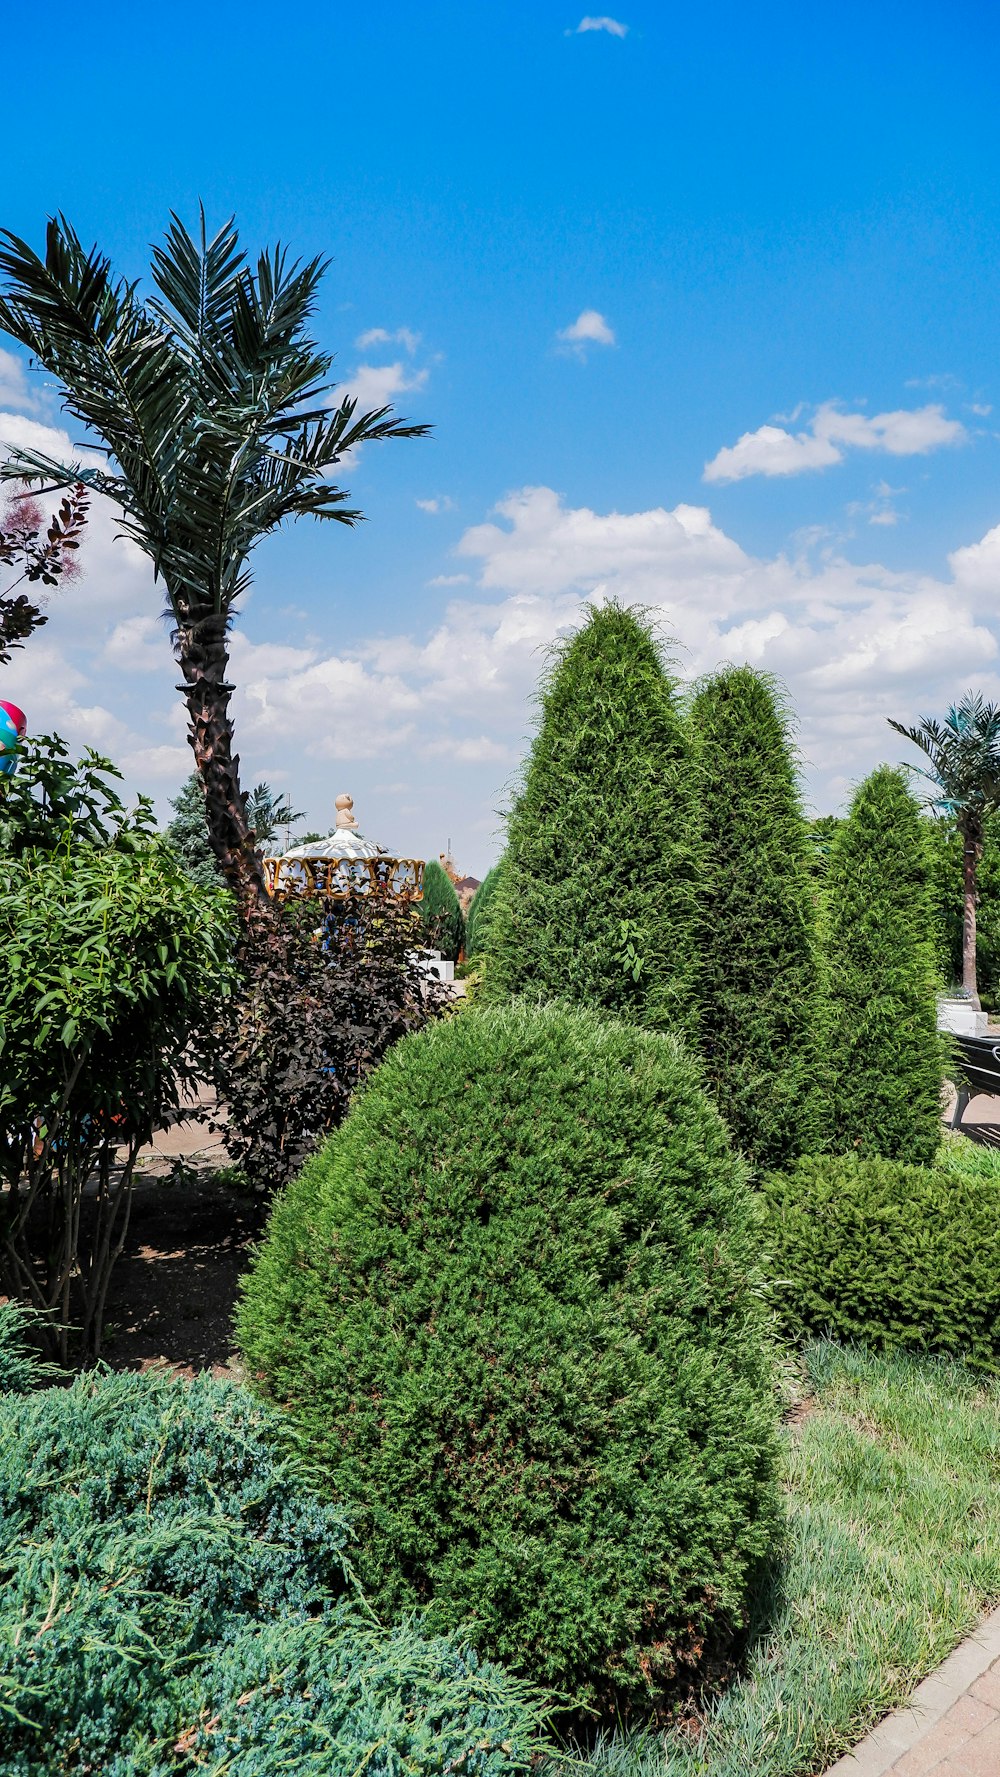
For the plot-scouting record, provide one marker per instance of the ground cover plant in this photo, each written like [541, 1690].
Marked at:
[758, 976]
[889, 1255]
[511, 1310]
[174, 1598]
[880, 1042]
[893, 1494]
[596, 900]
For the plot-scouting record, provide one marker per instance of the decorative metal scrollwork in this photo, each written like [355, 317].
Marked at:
[338, 879]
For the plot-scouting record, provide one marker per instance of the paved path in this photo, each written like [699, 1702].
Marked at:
[952, 1725]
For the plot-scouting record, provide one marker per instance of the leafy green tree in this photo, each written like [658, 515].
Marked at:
[759, 974]
[213, 402]
[114, 966]
[188, 835]
[964, 767]
[881, 1045]
[440, 913]
[597, 896]
[480, 913]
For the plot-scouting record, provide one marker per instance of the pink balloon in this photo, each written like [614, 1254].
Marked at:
[17, 716]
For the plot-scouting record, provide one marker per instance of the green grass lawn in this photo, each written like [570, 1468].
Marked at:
[894, 1554]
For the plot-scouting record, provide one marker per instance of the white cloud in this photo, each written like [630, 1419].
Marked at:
[589, 329]
[441, 503]
[614, 27]
[772, 450]
[376, 385]
[381, 336]
[855, 642]
[15, 390]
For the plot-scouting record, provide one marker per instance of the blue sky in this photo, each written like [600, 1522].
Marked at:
[596, 260]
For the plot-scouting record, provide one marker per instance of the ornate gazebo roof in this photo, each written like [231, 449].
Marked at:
[345, 863]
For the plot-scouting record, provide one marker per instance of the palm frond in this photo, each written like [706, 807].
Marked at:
[211, 399]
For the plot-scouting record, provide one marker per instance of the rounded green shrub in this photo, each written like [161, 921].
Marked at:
[881, 1049]
[512, 1311]
[597, 897]
[886, 1254]
[759, 969]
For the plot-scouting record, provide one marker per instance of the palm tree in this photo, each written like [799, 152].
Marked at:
[214, 407]
[964, 755]
[267, 810]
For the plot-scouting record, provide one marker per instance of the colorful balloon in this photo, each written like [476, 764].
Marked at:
[17, 716]
[13, 723]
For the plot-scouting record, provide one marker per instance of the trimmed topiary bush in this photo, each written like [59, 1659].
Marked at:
[596, 901]
[512, 1311]
[440, 913]
[881, 1047]
[890, 1255]
[477, 920]
[173, 1597]
[759, 971]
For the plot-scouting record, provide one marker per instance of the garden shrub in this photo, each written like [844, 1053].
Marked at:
[114, 965]
[596, 900]
[440, 913]
[893, 1256]
[322, 993]
[759, 974]
[477, 923]
[511, 1309]
[881, 1047]
[174, 1598]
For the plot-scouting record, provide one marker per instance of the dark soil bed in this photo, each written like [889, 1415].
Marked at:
[173, 1291]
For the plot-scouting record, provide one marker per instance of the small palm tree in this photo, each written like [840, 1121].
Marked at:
[267, 810]
[214, 407]
[964, 756]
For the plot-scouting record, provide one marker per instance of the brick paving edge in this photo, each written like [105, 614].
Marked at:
[903, 1730]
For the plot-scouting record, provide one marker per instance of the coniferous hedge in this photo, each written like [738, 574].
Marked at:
[881, 1046]
[441, 913]
[877, 1252]
[512, 1311]
[759, 973]
[596, 901]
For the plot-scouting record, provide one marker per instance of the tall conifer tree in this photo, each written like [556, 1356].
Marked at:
[759, 974]
[881, 1040]
[477, 922]
[596, 896]
[441, 912]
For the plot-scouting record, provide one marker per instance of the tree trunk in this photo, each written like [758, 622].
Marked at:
[202, 652]
[971, 853]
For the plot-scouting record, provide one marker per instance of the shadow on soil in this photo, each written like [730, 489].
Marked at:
[174, 1289]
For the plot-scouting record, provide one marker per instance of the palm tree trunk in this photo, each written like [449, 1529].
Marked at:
[971, 850]
[202, 653]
